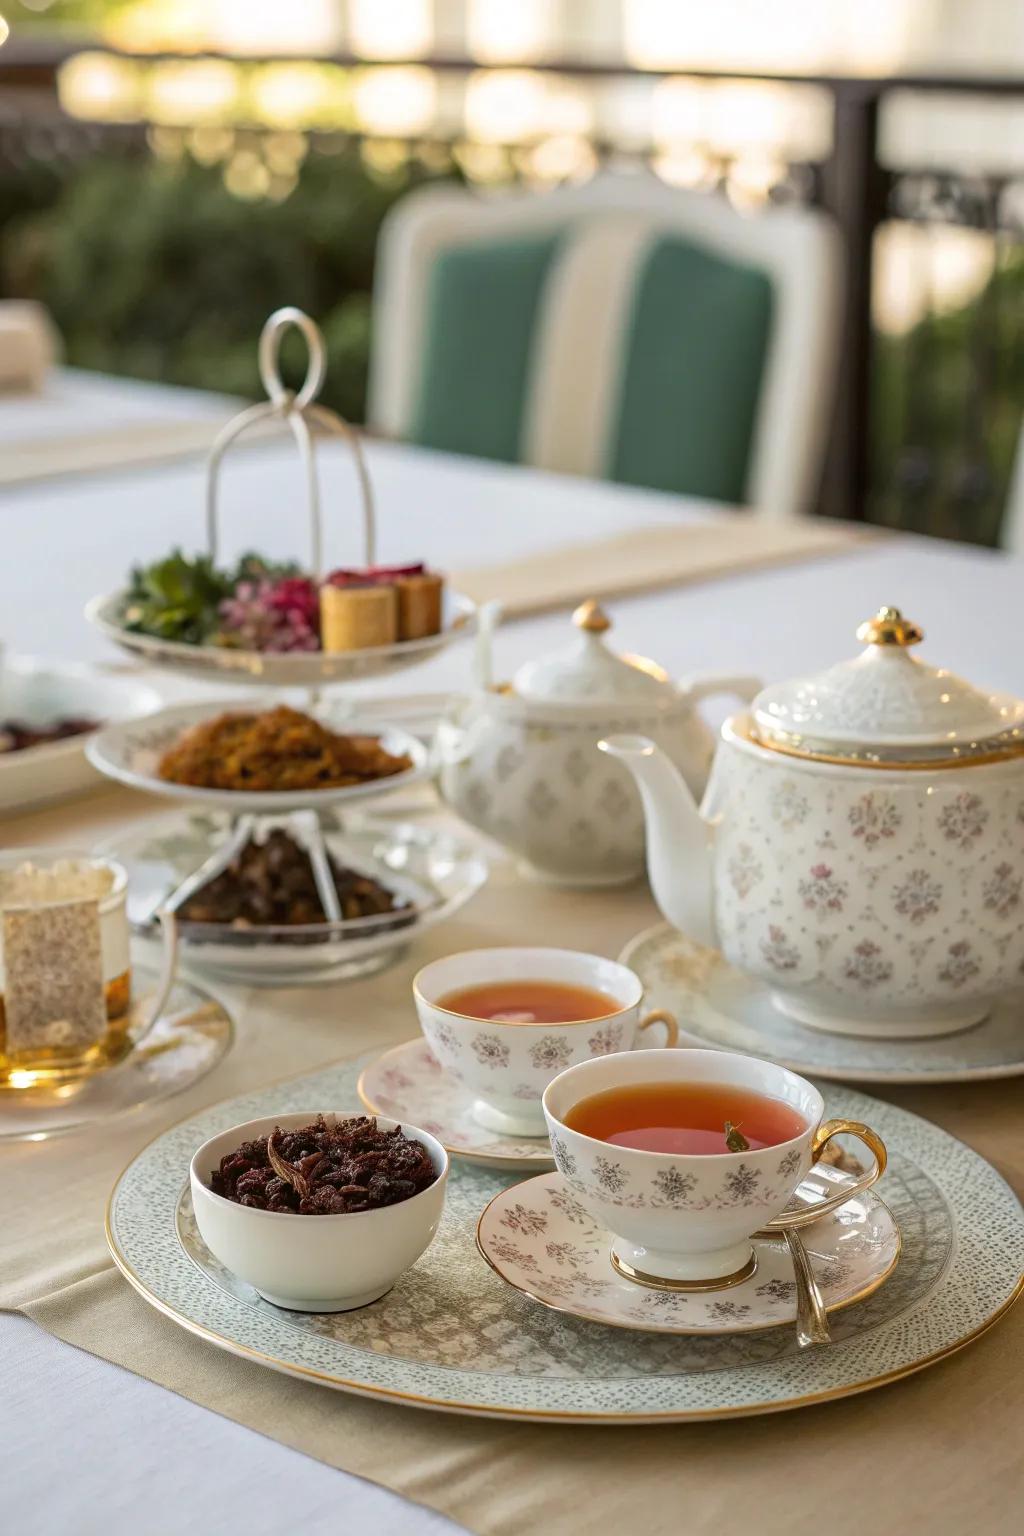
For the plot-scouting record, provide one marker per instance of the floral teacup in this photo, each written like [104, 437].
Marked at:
[507, 1065]
[685, 1221]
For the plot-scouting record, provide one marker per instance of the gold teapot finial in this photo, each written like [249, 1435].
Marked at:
[591, 617]
[889, 627]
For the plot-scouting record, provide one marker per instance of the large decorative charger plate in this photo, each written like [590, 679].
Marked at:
[452, 1335]
[270, 669]
[716, 1005]
[130, 753]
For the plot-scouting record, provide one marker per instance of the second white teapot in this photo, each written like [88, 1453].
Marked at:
[520, 761]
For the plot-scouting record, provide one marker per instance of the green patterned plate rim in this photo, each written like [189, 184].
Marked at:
[453, 1336]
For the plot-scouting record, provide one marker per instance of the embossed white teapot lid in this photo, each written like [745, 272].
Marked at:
[588, 672]
[888, 708]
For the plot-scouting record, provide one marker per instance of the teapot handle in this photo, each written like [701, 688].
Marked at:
[695, 688]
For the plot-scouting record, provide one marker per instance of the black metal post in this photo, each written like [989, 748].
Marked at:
[853, 187]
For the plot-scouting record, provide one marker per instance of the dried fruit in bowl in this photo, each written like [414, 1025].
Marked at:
[325, 1170]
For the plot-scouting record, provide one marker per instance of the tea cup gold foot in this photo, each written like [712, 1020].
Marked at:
[665, 1283]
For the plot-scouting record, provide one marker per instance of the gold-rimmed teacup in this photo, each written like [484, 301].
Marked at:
[507, 1065]
[684, 1221]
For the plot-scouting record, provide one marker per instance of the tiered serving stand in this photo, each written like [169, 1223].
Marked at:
[300, 415]
[434, 872]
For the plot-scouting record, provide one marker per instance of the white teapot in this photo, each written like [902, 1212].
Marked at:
[520, 761]
[860, 848]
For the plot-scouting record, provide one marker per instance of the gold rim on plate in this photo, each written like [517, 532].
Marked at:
[495, 1411]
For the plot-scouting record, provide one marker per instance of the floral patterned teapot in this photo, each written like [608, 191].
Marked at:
[520, 761]
[860, 848]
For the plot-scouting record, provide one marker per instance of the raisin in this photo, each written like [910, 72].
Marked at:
[325, 1170]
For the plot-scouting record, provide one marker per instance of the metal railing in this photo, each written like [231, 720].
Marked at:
[850, 183]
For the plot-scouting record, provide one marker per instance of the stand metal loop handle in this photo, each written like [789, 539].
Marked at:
[270, 352]
[300, 414]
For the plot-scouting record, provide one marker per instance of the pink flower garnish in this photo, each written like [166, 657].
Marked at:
[272, 616]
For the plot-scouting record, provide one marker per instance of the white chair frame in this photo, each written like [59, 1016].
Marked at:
[799, 248]
[1011, 534]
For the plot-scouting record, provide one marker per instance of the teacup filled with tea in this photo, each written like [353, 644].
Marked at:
[684, 1154]
[504, 1022]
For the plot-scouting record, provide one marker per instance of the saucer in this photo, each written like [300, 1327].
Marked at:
[717, 1005]
[191, 1036]
[538, 1237]
[407, 1083]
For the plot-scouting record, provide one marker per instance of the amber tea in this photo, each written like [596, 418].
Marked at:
[530, 1002]
[65, 984]
[685, 1118]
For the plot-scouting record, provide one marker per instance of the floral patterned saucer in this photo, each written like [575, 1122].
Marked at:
[539, 1238]
[408, 1083]
[717, 1005]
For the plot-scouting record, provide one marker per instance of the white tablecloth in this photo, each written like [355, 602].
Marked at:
[74, 401]
[89, 1448]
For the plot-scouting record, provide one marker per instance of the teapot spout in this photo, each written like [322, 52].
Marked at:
[679, 854]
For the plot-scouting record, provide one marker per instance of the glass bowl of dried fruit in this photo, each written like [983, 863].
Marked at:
[259, 922]
[319, 1212]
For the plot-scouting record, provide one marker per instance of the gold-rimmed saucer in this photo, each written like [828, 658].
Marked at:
[540, 1239]
[408, 1083]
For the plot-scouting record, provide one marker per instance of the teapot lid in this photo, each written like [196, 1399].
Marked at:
[588, 672]
[886, 707]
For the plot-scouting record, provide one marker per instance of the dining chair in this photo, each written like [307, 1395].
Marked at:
[1011, 533]
[622, 330]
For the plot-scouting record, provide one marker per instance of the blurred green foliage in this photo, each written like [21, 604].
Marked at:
[156, 271]
[947, 413]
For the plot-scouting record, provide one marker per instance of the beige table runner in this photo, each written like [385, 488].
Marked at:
[145, 442]
[646, 559]
[944, 1444]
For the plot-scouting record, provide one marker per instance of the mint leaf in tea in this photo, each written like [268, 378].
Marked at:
[735, 1141]
[685, 1118]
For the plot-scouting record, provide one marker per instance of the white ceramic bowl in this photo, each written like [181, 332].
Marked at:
[506, 1066]
[315, 1263]
[39, 692]
[688, 1220]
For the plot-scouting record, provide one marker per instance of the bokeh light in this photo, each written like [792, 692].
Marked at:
[390, 29]
[100, 87]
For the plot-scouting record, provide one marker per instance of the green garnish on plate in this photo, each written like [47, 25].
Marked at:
[176, 598]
